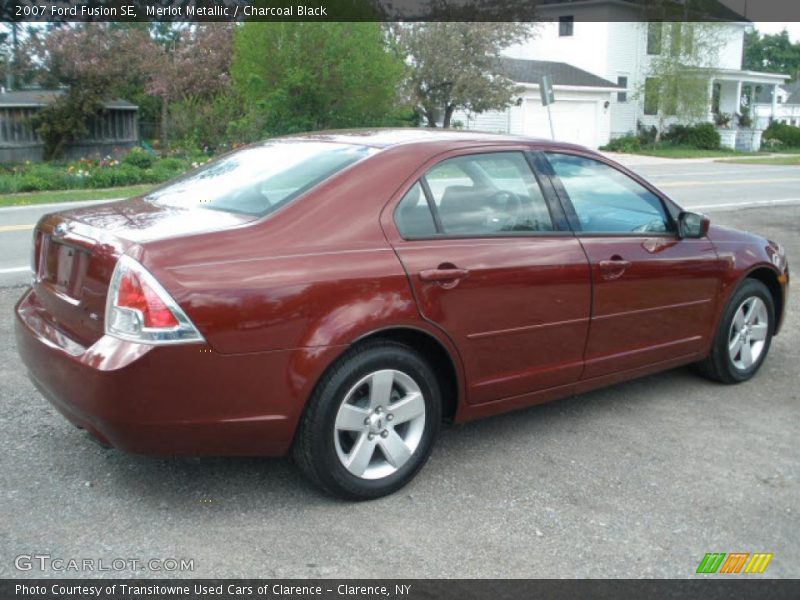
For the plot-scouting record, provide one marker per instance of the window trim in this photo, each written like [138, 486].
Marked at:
[560, 223]
[670, 209]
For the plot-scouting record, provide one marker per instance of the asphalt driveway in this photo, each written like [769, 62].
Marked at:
[637, 480]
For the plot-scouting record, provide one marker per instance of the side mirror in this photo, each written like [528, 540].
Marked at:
[692, 225]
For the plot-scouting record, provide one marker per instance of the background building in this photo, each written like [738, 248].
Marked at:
[112, 132]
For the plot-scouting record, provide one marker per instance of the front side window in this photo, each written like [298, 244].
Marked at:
[487, 194]
[257, 180]
[606, 200]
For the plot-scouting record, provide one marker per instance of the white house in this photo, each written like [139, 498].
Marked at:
[608, 39]
[785, 110]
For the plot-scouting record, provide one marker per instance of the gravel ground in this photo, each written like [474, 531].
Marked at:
[637, 480]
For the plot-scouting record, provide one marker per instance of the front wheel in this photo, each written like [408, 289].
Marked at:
[371, 422]
[744, 335]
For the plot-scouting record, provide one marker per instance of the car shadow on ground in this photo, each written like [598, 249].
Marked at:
[209, 483]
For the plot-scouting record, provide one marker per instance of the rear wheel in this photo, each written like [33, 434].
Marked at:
[744, 335]
[371, 422]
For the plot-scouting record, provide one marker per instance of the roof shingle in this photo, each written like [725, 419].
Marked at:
[531, 71]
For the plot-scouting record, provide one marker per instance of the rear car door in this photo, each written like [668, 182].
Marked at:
[654, 294]
[498, 270]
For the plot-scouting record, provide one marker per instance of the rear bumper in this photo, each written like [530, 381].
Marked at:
[181, 399]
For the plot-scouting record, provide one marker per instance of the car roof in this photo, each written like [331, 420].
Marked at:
[418, 136]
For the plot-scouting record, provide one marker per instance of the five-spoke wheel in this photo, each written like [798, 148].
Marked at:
[748, 333]
[744, 334]
[379, 424]
[371, 422]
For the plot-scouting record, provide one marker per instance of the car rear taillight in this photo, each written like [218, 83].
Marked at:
[139, 309]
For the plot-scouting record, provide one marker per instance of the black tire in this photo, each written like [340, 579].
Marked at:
[315, 446]
[719, 365]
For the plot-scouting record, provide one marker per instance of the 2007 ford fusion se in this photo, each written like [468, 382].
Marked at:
[338, 295]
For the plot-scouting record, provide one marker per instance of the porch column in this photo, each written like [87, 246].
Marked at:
[710, 117]
[774, 102]
[738, 108]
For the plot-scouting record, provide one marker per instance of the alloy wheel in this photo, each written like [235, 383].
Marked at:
[748, 333]
[379, 424]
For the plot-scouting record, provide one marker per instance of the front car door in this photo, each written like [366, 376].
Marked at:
[491, 266]
[654, 294]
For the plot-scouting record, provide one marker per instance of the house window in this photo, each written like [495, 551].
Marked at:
[622, 81]
[654, 31]
[566, 26]
[651, 96]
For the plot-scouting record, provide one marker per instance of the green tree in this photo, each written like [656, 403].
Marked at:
[96, 63]
[682, 56]
[772, 52]
[308, 76]
[455, 66]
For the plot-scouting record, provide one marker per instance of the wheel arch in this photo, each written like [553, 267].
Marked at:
[436, 352]
[769, 277]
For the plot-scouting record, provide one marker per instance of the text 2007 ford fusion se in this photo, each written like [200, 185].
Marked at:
[336, 296]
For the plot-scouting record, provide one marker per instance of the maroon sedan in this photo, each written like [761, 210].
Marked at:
[338, 295]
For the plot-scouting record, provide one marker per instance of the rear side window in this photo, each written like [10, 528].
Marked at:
[413, 215]
[259, 179]
[606, 200]
[484, 195]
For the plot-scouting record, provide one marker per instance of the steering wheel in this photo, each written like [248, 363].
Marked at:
[506, 201]
[504, 207]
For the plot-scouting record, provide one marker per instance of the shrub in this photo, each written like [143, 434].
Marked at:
[772, 143]
[172, 163]
[114, 176]
[140, 158]
[788, 135]
[647, 135]
[627, 143]
[703, 136]
[677, 134]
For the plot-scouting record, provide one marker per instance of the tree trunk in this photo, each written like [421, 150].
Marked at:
[448, 115]
[162, 130]
[430, 117]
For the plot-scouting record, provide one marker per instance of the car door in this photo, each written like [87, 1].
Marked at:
[654, 294]
[491, 266]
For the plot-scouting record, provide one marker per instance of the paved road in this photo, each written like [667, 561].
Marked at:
[640, 479]
[701, 185]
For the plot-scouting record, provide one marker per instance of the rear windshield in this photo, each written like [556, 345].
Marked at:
[257, 180]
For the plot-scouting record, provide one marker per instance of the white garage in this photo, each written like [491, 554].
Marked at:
[580, 112]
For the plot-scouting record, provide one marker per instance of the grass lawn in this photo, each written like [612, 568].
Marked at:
[72, 195]
[774, 160]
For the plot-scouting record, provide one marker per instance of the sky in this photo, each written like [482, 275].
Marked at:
[792, 28]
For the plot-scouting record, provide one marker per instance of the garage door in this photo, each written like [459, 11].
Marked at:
[573, 121]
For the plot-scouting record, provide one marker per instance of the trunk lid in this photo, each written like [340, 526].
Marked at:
[75, 253]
